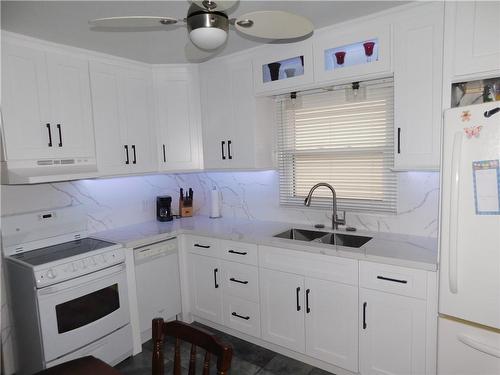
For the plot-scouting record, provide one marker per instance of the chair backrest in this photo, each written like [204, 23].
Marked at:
[198, 338]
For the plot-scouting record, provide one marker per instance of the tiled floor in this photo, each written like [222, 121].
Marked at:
[248, 359]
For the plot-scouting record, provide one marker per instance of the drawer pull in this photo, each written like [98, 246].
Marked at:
[237, 252]
[393, 280]
[202, 246]
[240, 316]
[237, 281]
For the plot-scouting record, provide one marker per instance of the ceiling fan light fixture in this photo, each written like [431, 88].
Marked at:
[208, 30]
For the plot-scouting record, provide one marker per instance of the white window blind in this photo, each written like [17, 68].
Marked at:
[341, 139]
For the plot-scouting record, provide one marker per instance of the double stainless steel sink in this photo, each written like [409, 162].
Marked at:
[324, 237]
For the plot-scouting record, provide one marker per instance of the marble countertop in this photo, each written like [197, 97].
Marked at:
[389, 248]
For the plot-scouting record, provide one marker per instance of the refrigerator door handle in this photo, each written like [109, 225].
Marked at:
[455, 199]
[482, 347]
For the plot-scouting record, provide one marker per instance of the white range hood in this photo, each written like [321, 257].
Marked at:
[51, 170]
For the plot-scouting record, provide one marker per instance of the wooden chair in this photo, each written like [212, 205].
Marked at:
[81, 366]
[197, 337]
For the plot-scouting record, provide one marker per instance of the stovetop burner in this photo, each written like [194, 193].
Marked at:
[60, 251]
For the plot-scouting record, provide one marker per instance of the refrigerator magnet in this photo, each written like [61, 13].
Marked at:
[486, 178]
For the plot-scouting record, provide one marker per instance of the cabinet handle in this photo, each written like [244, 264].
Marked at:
[164, 155]
[60, 135]
[239, 316]
[50, 135]
[308, 310]
[203, 246]
[229, 150]
[297, 291]
[126, 151]
[393, 280]
[215, 278]
[135, 157]
[491, 112]
[237, 252]
[399, 140]
[222, 143]
[238, 281]
[364, 314]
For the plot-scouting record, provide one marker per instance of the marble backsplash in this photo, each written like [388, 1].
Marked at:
[116, 202]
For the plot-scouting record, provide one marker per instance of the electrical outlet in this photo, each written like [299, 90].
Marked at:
[146, 205]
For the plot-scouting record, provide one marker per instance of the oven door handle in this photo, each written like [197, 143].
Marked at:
[78, 281]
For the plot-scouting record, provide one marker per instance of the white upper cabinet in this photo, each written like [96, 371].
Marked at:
[47, 109]
[418, 67]
[352, 52]
[475, 31]
[177, 97]
[123, 118]
[237, 126]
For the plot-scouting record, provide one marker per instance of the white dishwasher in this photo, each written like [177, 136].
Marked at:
[157, 283]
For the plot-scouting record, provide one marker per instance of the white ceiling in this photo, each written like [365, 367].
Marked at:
[66, 22]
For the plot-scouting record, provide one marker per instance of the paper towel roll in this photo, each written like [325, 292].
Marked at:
[214, 203]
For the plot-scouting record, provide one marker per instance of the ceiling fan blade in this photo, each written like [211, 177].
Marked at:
[218, 5]
[133, 21]
[273, 24]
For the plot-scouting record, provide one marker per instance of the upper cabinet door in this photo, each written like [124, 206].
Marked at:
[344, 54]
[477, 37]
[418, 54]
[27, 127]
[179, 120]
[73, 130]
[137, 106]
[110, 134]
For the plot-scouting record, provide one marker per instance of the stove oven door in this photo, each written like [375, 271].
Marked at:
[80, 311]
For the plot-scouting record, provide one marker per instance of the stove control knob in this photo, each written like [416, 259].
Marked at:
[51, 274]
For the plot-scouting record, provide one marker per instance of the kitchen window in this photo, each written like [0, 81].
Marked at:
[341, 135]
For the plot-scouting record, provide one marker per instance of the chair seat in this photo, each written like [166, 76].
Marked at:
[81, 366]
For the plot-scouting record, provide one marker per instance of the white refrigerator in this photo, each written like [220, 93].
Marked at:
[469, 285]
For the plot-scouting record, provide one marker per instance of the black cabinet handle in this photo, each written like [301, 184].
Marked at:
[308, 310]
[364, 314]
[297, 293]
[399, 140]
[222, 143]
[203, 246]
[215, 278]
[164, 155]
[126, 151]
[393, 280]
[240, 316]
[238, 281]
[135, 156]
[237, 252]
[60, 135]
[229, 150]
[50, 135]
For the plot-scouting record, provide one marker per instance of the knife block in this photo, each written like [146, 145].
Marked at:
[185, 208]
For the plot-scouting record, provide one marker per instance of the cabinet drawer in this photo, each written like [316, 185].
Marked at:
[393, 279]
[240, 280]
[241, 315]
[238, 252]
[202, 245]
[314, 265]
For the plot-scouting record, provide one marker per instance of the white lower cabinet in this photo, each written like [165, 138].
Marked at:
[332, 322]
[206, 295]
[392, 334]
[282, 314]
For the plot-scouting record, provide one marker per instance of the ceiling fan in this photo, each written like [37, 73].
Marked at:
[208, 23]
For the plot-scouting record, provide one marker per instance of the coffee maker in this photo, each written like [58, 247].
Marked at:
[164, 208]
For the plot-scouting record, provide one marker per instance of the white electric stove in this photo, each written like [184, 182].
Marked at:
[68, 291]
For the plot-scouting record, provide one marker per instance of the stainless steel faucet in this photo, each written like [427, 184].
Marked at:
[335, 220]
